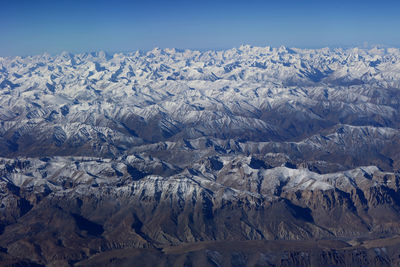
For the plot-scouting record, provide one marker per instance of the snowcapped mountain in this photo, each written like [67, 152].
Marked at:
[177, 146]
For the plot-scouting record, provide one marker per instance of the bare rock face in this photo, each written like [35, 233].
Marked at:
[244, 157]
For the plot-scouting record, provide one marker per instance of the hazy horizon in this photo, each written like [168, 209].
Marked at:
[125, 52]
[37, 27]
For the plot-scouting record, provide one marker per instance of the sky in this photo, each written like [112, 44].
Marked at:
[30, 27]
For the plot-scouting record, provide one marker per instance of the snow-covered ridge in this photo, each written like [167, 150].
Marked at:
[339, 106]
[245, 63]
[237, 176]
[136, 98]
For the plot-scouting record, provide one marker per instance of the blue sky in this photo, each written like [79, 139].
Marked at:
[38, 26]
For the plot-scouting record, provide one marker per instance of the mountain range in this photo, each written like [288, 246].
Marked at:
[252, 156]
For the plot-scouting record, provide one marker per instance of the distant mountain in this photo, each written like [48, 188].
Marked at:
[176, 154]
